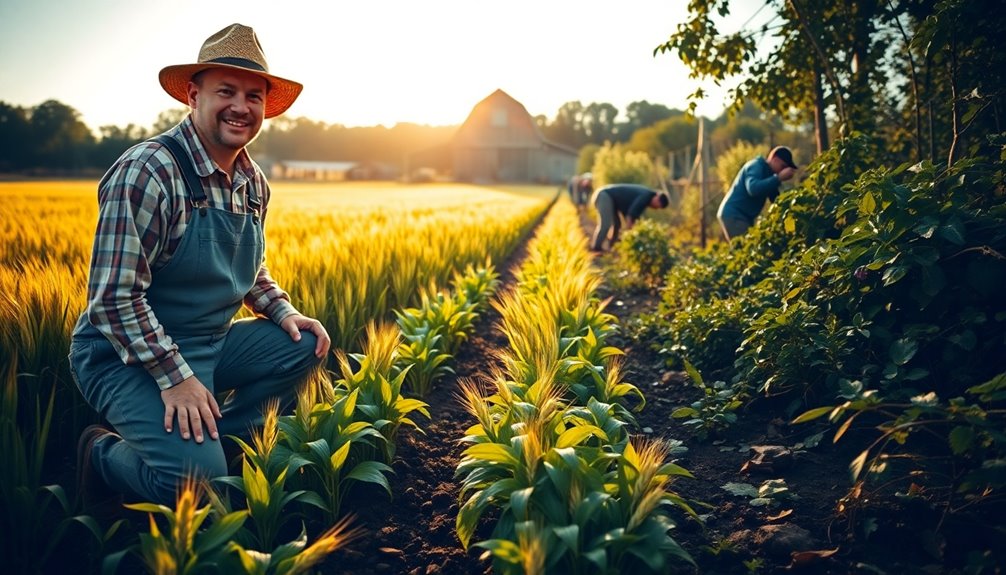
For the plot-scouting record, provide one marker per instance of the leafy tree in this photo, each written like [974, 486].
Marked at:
[169, 119]
[15, 137]
[599, 122]
[666, 135]
[829, 56]
[642, 114]
[60, 138]
[114, 141]
[567, 128]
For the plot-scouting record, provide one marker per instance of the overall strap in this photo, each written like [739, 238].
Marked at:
[184, 163]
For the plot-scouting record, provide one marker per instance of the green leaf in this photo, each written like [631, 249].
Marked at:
[902, 350]
[577, 435]
[961, 439]
[683, 412]
[220, 532]
[813, 414]
[893, 274]
[867, 204]
[503, 549]
[926, 227]
[492, 452]
[953, 231]
[570, 535]
[371, 472]
[740, 489]
[338, 459]
[693, 373]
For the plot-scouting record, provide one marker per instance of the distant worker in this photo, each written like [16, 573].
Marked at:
[757, 181]
[584, 188]
[573, 187]
[615, 201]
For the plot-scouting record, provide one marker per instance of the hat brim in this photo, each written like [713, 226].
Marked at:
[282, 92]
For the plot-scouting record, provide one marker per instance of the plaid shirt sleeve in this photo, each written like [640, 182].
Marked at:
[265, 297]
[134, 223]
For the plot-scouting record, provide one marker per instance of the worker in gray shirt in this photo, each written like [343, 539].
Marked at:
[616, 201]
[757, 181]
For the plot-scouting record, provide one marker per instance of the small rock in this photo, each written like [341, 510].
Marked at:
[782, 540]
[741, 537]
[647, 430]
[667, 376]
[431, 569]
[769, 459]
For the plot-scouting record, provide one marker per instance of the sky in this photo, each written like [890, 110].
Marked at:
[362, 63]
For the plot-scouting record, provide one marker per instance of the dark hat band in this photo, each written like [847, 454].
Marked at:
[239, 62]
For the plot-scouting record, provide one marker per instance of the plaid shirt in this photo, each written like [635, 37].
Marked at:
[144, 209]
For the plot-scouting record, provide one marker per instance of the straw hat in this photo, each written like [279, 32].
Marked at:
[236, 48]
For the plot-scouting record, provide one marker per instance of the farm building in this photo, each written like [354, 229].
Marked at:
[499, 142]
[331, 171]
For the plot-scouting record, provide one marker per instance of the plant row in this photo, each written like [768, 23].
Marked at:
[551, 473]
[870, 297]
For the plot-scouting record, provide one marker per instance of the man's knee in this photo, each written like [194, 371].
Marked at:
[205, 462]
[300, 357]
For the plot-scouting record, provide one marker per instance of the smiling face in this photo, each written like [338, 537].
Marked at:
[227, 110]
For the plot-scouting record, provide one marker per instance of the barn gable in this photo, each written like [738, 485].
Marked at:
[499, 142]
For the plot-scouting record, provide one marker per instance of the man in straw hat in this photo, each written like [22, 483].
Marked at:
[179, 248]
[757, 181]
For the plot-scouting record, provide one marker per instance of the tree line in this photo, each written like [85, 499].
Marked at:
[51, 138]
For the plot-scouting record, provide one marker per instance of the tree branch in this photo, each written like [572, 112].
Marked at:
[828, 72]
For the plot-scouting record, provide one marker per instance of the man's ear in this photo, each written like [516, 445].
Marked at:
[191, 91]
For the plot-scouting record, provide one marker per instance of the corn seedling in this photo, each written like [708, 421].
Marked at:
[182, 547]
[323, 438]
[263, 479]
[380, 399]
[420, 354]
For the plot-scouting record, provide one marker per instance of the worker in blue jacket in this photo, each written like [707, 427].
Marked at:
[757, 181]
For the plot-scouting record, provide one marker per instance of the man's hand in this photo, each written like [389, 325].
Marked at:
[786, 174]
[293, 324]
[195, 407]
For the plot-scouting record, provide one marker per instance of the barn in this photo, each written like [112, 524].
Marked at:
[499, 142]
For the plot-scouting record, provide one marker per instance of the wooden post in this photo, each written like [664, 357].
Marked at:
[703, 160]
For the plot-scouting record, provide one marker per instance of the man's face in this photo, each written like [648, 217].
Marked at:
[227, 108]
[777, 164]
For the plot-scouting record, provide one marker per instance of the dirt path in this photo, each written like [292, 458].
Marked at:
[414, 533]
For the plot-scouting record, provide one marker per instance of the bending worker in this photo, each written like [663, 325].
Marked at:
[615, 201]
[757, 181]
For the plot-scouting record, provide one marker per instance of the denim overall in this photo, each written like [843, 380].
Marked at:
[194, 296]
